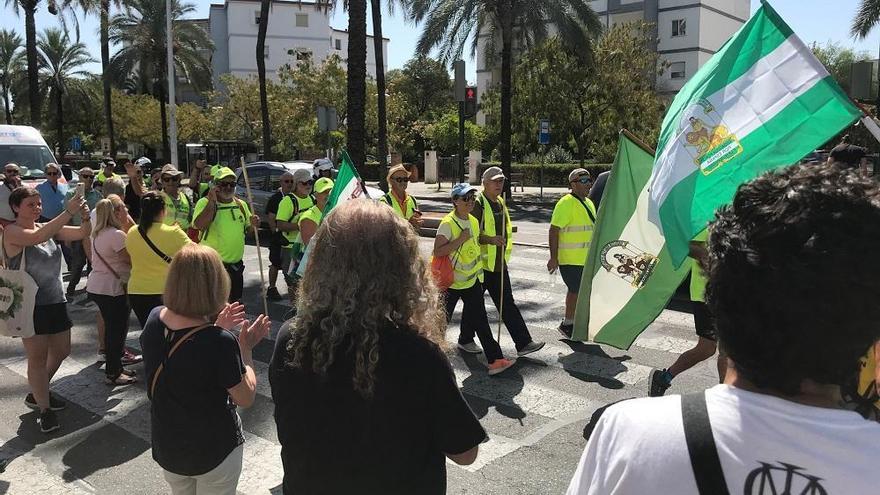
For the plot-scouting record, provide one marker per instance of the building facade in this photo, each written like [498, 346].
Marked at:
[298, 31]
[689, 32]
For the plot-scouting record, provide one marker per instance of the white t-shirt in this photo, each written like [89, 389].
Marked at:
[638, 446]
[6, 212]
[445, 229]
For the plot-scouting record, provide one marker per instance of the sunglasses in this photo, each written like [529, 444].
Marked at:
[401, 180]
[226, 185]
[584, 180]
[11, 172]
[467, 199]
[87, 176]
[170, 179]
[287, 181]
[51, 174]
[308, 182]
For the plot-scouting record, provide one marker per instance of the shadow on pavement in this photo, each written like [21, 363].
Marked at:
[100, 450]
[483, 391]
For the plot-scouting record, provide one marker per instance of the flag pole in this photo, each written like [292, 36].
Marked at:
[250, 196]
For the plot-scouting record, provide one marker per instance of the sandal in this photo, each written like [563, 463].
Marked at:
[121, 379]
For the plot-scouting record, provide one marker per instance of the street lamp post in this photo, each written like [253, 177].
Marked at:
[172, 107]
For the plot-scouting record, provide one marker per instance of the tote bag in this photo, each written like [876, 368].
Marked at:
[18, 293]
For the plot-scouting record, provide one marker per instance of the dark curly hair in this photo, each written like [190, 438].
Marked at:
[794, 275]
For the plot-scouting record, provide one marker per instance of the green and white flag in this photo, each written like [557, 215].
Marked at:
[629, 276]
[348, 185]
[762, 102]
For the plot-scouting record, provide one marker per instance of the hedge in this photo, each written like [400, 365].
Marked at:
[555, 174]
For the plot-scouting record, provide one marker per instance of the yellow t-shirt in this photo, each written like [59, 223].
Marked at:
[227, 229]
[148, 270]
[698, 278]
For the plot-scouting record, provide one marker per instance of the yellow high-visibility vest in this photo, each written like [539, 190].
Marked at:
[698, 278]
[466, 260]
[489, 229]
[575, 220]
[411, 205]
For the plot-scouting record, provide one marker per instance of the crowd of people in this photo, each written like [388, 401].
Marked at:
[360, 379]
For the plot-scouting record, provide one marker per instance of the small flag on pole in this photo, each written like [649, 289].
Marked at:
[762, 102]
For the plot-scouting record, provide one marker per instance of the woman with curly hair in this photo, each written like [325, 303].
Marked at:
[365, 398]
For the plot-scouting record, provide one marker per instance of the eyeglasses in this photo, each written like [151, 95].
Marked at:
[287, 181]
[87, 176]
[308, 182]
[170, 179]
[11, 172]
[400, 180]
[226, 185]
[51, 174]
[467, 199]
[584, 180]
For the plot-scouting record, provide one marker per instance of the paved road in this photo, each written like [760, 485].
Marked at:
[534, 413]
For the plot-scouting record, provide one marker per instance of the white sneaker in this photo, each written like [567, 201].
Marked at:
[530, 348]
[471, 347]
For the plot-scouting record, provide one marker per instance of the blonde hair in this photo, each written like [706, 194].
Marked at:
[104, 214]
[197, 285]
[365, 275]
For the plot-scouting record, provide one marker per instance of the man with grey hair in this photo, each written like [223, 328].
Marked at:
[52, 193]
[78, 249]
[12, 179]
[275, 243]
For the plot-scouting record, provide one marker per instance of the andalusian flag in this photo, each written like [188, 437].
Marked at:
[629, 276]
[347, 185]
[762, 102]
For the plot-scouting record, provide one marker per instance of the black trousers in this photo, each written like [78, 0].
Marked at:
[474, 316]
[511, 316]
[78, 261]
[143, 304]
[114, 311]
[236, 279]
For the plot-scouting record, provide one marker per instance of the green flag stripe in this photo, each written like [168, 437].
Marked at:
[780, 142]
[764, 32]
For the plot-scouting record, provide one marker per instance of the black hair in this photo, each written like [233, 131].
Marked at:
[152, 205]
[793, 276]
[20, 194]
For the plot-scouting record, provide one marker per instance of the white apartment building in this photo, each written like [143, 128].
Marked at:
[298, 30]
[689, 32]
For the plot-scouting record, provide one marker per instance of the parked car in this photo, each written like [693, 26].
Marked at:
[265, 179]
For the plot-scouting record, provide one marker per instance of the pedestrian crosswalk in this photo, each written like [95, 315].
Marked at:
[551, 389]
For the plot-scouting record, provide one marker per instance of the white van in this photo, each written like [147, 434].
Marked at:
[24, 146]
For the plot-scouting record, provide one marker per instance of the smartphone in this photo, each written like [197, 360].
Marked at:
[81, 190]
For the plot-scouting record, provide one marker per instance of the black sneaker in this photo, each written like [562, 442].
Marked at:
[565, 329]
[55, 403]
[48, 421]
[661, 380]
[273, 295]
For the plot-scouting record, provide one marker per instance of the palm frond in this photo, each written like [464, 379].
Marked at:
[866, 18]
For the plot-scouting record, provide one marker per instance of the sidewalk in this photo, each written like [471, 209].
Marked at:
[526, 195]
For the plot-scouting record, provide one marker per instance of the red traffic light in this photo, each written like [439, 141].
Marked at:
[470, 93]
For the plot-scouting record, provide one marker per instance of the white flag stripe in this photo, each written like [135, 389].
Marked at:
[773, 83]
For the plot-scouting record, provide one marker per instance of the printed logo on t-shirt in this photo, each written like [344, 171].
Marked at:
[782, 479]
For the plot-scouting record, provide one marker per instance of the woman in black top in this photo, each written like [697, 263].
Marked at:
[365, 399]
[198, 372]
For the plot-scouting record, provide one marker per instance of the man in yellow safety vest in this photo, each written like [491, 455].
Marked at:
[496, 244]
[402, 203]
[571, 231]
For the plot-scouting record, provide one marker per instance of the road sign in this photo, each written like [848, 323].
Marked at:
[544, 132]
[327, 119]
[75, 143]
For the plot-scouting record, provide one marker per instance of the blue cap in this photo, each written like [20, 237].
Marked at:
[462, 189]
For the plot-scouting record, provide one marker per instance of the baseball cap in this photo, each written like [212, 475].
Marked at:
[301, 175]
[393, 170]
[323, 184]
[573, 176]
[108, 162]
[143, 161]
[848, 154]
[169, 169]
[323, 164]
[461, 189]
[222, 173]
[493, 173]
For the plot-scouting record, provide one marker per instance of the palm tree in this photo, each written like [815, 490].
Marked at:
[62, 62]
[139, 31]
[265, 5]
[30, 33]
[378, 45]
[356, 102]
[866, 18]
[11, 64]
[451, 23]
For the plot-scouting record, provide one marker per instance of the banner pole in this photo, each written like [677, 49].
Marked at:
[250, 196]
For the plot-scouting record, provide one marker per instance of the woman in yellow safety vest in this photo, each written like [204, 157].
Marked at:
[457, 238]
[571, 231]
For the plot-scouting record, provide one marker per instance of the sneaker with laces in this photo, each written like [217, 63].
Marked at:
[661, 380]
[48, 421]
[55, 403]
[500, 365]
[470, 347]
[530, 348]
[273, 295]
[565, 329]
[129, 358]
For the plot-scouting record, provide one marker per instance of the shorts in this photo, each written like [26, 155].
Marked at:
[50, 319]
[275, 255]
[571, 275]
[703, 321]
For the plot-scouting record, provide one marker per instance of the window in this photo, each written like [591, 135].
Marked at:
[679, 28]
[302, 20]
[338, 44]
[257, 17]
[303, 55]
[677, 70]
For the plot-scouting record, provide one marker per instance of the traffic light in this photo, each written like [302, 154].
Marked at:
[470, 101]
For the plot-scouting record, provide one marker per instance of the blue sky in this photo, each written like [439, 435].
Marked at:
[812, 20]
